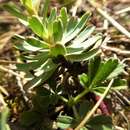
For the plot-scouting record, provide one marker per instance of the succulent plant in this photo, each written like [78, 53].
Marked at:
[57, 36]
[64, 42]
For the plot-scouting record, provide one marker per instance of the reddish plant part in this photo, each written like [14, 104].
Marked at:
[103, 106]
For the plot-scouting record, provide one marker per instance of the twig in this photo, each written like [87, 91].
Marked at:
[75, 7]
[3, 90]
[125, 59]
[10, 71]
[122, 97]
[114, 49]
[109, 18]
[8, 62]
[19, 83]
[88, 115]
[126, 119]
[118, 128]
[123, 11]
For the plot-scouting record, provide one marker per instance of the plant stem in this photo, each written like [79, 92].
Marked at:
[88, 115]
[63, 99]
[76, 99]
[75, 112]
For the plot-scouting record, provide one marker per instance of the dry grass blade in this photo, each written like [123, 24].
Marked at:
[10, 71]
[110, 19]
[2, 90]
[123, 11]
[116, 50]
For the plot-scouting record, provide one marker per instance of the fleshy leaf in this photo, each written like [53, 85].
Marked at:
[47, 66]
[52, 16]
[64, 16]
[51, 19]
[71, 26]
[77, 28]
[83, 56]
[29, 6]
[57, 30]
[84, 35]
[37, 43]
[13, 9]
[36, 81]
[88, 43]
[37, 26]
[58, 49]
[27, 47]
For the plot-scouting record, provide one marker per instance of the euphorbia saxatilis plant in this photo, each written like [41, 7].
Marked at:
[63, 64]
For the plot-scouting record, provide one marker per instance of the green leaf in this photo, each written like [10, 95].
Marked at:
[27, 66]
[29, 118]
[83, 78]
[71, 26]
[45, 9]
[38, 80]
[42, 56]
[27, 47]
[27, 3]
[84, 108]
[37, 26]
[29, 6]
[77, 28]
[3, 119]
[47, 66]
[119, 84]
[37, 43]
[52, 16]
[83, 35]
[100, 123]
[41, 103]
[14, 10]
[104, 70]
[64, 122]
[88, 43]
[94, 40]
[57, 30]
[93, 66]
[83, 56]
[64, 16]
[42, 91]
[99, 90]
[36, 5]
[34, 63]
[51, 19]
[58, 49]
[118, 70]
[71, 50]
